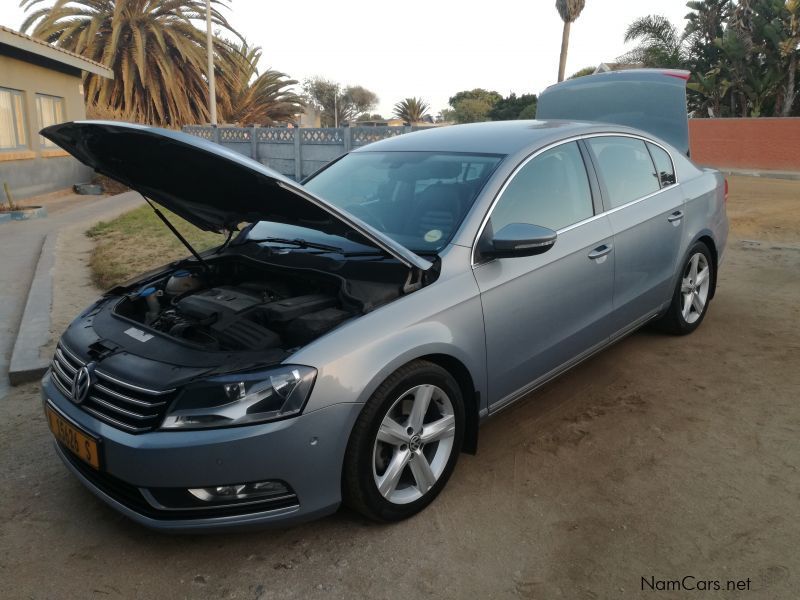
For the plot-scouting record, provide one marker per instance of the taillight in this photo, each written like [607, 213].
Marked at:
[726, 190]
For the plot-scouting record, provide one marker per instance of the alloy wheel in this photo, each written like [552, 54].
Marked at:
[413, 444]
[695, 285]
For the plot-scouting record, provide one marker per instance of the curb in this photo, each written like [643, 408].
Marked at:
[790, 175]
[34, 331]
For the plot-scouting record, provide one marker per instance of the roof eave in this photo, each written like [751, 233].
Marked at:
[40, 48]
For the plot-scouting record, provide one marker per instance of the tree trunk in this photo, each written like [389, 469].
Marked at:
[562, 62]
[789, 96]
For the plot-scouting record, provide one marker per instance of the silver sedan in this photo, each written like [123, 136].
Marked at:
[346, 344]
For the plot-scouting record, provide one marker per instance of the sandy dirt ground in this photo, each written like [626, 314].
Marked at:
[660, 458]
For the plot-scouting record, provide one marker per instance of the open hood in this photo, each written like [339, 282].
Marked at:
[652, 100]
[210, 186]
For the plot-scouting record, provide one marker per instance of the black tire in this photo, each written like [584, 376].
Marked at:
[359, 488]
[673, 321]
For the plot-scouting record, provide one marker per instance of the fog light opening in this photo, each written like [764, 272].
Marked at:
[241, 491]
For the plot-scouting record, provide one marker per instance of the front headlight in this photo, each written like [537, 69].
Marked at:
[242, 398]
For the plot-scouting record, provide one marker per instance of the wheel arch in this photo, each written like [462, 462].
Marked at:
[455, 366]
[706, 239]
[470, 394]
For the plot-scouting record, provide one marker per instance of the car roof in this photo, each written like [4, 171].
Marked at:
[494, 137]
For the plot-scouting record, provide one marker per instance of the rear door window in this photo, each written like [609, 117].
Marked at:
[626, 168]
[664, 166]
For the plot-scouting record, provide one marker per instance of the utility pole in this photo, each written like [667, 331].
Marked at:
[335, 110]
[212, 88]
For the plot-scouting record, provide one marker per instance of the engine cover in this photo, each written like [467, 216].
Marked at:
[222, 302]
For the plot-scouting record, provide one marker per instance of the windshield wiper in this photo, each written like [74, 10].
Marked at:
[300, 243]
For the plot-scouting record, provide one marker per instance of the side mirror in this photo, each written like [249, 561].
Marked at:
[518, 239]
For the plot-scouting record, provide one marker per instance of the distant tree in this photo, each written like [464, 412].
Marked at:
[359, 99]
[584, 71]
[470, 106]
[510, 108]
[529, 112]
[338, 105]
[472, 110]
[660, 43]
[490, 97]
[254, 98]
[743, 55]
[569, 10]
[447, 115]
[411, 110]
[370, 117]
[790, 52]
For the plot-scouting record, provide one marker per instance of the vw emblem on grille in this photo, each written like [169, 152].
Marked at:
[81, 384]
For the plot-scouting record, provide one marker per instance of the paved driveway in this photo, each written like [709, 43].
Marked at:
[20, 245]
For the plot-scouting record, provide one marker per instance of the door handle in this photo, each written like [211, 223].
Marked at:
[676, 216]
[600, 251]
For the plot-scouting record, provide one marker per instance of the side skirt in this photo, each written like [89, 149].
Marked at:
[513, 397]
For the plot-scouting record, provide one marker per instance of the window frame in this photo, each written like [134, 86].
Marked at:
[596, 183]
[14, 93]
[43, 141]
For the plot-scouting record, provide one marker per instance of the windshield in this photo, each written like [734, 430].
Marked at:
[417, 198]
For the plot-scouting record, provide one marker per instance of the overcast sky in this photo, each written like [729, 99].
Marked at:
[450, 45]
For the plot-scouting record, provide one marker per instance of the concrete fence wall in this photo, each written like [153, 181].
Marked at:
[756, 143]
[295, 153]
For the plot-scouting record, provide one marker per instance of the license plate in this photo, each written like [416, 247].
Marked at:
[80, 444]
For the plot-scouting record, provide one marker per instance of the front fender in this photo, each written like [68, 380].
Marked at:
[443, 318]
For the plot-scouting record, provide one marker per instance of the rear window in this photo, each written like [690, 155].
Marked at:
[626, 168]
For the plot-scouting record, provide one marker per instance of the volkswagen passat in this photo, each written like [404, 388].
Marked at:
[349, 337]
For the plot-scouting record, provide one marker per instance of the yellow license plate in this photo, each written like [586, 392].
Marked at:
[77, 442]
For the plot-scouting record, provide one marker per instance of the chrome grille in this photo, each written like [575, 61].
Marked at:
[123, 405]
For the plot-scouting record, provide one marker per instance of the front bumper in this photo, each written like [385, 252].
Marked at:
[306, 452]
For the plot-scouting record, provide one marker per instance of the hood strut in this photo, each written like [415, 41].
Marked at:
[177, 233]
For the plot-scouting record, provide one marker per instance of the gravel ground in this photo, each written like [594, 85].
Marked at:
[660, 458]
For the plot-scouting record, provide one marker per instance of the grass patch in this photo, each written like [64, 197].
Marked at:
[138, 241]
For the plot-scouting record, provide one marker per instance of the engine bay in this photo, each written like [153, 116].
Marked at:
[234, 306]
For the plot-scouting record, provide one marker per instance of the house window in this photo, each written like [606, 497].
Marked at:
[50, 110]
[12, 120]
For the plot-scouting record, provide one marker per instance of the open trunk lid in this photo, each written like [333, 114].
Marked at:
[210, 186]
[652, 100]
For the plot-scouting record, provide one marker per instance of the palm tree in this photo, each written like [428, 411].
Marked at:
[569, 10]
[411, 110]
[255, 98]
[661, 44]
[157, 54]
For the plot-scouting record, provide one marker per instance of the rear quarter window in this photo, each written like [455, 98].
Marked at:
[664, 166]
[626, 168]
